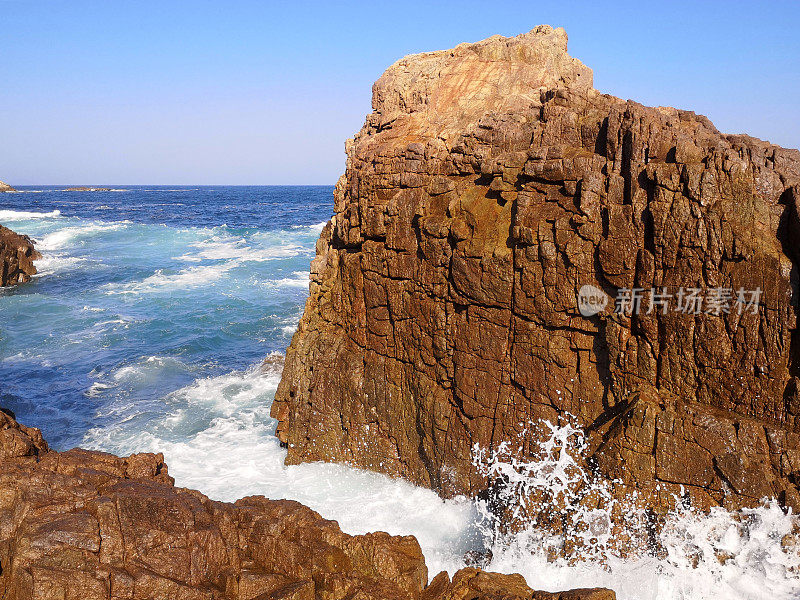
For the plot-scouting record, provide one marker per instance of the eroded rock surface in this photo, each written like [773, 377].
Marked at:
[4, 187]
[83, 525]
[489, 184]
[16, 257]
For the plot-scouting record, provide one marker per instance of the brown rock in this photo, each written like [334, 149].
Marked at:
[16, 258]
[4, 187]
[489, 184]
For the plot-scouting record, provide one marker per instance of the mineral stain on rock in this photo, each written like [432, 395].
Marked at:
[491, 183]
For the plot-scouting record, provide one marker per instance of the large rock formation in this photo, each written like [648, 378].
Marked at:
[489, 185]
[4, 187]
[16, 257]
[82, 525]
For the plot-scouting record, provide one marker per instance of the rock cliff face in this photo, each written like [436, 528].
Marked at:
[4, 187]
[489, 185]
[82, 525]
[16, 257]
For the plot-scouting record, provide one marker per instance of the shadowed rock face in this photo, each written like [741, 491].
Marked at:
[16, 257]
[83, 525]
[490, 183]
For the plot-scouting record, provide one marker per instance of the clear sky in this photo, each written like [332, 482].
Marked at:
[244, 92]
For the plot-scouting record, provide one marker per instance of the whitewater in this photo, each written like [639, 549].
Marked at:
[146, 330]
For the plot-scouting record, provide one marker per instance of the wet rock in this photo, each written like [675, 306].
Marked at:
[16, 258]
[491, 183]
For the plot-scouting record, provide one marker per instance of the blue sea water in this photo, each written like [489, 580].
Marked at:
[142, 292]
[146, 330]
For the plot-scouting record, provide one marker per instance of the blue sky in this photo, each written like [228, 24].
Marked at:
[241, 92]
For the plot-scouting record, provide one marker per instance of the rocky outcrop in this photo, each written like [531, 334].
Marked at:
[489, 185]
[4, 187]
[82, 525]
[16, 258]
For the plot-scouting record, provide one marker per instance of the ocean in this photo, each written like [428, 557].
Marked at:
[146, 330]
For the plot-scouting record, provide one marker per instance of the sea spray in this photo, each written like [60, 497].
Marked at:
[561, 525]
[579, 514]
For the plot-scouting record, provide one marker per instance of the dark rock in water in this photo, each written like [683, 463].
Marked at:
[16, 257]
[83, 525]
[491, 190]
[4, 187]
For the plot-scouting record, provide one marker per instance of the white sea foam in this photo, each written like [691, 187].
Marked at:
[24, 215]
[319, 226]
[225, 247]
[146, 370]
[68, 236]
[184, 279]
[299, 279]
[51, 263]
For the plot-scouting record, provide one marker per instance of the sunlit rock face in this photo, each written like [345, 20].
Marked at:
[489, 185]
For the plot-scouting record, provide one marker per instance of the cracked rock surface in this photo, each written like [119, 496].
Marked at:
[489, 184]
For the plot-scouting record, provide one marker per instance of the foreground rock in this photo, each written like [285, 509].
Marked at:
[4, 187]
[16, 258]
[82, 525]
[489, 185]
